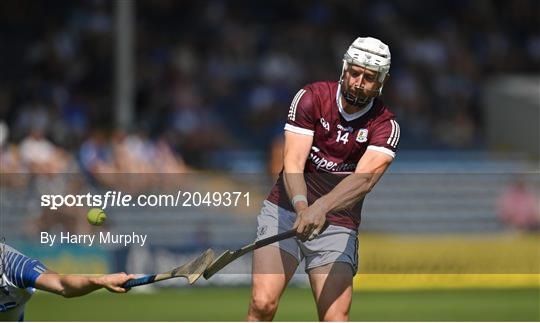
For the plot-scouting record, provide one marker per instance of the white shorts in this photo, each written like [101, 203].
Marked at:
[335, 244]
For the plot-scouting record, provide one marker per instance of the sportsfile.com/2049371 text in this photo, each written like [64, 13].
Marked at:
[120, 199]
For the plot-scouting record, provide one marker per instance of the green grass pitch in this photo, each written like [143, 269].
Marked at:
[230, 304]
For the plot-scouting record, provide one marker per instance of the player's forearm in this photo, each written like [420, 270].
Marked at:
[348, 192]
[295, 184]
[78, 285]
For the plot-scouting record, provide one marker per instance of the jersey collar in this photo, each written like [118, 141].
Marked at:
[350, 116]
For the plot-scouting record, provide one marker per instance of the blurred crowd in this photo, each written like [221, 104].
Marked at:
[220, 75]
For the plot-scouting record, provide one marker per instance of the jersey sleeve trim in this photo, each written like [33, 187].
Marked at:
[383, 150]
[299, 130]
[394, 135]
[21, 270]
[294, 104]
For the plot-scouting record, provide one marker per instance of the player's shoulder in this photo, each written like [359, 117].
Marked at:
[15, 257]
[381, 112]
[322, 87]
[7, 248]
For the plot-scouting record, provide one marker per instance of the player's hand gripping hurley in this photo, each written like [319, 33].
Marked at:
[191, 270]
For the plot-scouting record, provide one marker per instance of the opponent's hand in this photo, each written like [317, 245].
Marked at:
[309, 222]
[114, 282]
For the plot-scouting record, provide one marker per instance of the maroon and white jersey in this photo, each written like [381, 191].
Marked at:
[339, 141]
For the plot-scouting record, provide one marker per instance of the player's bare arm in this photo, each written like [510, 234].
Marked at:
[79, 285]
[354, 187]
[296, 152]
[348, 192]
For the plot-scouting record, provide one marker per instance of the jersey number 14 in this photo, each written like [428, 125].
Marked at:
[343, 138]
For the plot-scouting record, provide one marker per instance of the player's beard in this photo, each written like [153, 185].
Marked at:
[354, 97]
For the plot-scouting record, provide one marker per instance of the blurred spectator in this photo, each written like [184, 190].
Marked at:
[97, 160]
[95, 153]
[165, 161]
[12, 171]
[40, 156]
[518, 207]
[111, 162]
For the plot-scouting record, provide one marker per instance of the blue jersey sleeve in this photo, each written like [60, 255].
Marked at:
[21, 270]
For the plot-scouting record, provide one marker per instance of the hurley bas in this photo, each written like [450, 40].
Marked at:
[90, 239]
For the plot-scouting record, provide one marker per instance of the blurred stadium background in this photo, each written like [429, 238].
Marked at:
[155, 96]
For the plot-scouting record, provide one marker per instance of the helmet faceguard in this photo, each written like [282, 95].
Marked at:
[369, 53]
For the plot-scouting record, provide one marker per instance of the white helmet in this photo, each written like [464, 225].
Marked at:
[370, 53]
